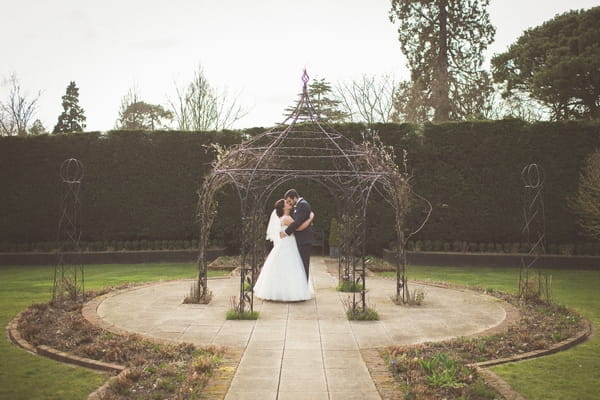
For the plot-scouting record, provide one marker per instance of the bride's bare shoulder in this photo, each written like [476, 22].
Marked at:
[287, 220]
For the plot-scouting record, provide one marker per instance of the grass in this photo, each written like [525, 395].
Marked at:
[29, 377]
[572, 374]
[246, 315]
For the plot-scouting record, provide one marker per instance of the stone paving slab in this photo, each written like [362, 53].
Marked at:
[301, 350]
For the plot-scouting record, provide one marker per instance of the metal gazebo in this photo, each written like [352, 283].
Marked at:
[303, 148]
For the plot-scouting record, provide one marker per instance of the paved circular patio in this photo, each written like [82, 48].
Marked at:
[304, 350]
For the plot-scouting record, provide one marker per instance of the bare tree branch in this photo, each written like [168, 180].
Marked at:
[370, 100]
[200, 107]
[17, 110]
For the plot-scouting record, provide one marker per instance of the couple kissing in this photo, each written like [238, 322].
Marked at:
[285, 274]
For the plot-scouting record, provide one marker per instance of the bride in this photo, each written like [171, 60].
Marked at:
[282, 277]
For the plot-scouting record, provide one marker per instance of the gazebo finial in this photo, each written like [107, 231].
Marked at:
[305, 79]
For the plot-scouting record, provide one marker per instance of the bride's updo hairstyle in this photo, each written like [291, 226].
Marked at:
[279, 204]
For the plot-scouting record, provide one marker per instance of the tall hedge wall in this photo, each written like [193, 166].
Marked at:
[136, 185]
[142, 185]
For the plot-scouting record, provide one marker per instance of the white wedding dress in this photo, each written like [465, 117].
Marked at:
[282, 277]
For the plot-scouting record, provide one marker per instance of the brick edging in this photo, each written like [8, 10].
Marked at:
[15, 336]
[219, 382]
[384, 380]
[579, 337]
[12, 331]
[100, 393]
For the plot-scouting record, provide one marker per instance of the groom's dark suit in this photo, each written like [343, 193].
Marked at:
[304, 238]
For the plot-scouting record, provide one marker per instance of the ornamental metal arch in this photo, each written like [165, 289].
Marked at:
[303, 147]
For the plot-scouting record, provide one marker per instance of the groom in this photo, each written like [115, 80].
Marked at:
[300, 214]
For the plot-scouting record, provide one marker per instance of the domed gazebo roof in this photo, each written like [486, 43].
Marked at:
[300, 147]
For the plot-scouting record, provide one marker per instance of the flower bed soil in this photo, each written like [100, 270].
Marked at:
[153, 370]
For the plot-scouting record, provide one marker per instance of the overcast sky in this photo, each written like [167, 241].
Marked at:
[256, 49]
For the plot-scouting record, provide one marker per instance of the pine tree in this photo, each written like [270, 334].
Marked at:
[326, 108]
[72, 118]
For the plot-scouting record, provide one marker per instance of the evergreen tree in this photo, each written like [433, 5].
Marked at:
[37, 128]
[557, 63]
[443, 41]
[327, 109]
[72, 118]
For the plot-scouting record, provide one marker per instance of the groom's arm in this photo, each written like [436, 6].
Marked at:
[302, 214]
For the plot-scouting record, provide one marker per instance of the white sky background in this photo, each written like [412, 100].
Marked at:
[255, 49]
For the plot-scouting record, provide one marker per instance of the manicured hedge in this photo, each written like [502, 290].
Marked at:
[141, 186]
[136, 185]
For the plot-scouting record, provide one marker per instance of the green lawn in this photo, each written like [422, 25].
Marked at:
[30, 377]
[572, 374]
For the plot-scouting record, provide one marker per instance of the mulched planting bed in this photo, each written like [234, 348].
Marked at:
[442, 370]
[154, 370]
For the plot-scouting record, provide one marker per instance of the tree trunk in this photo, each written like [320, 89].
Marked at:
[441, 101]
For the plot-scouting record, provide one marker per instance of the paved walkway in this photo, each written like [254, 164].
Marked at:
[305, 350]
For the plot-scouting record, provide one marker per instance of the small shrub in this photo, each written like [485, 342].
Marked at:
[236, 314]
[197, 297]
[515, 248]
[204, 363]
[442, 371]
[566, 249]
[415, 298]
[457, 246]
[349, 286]
[418, 245]
[355, 314]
